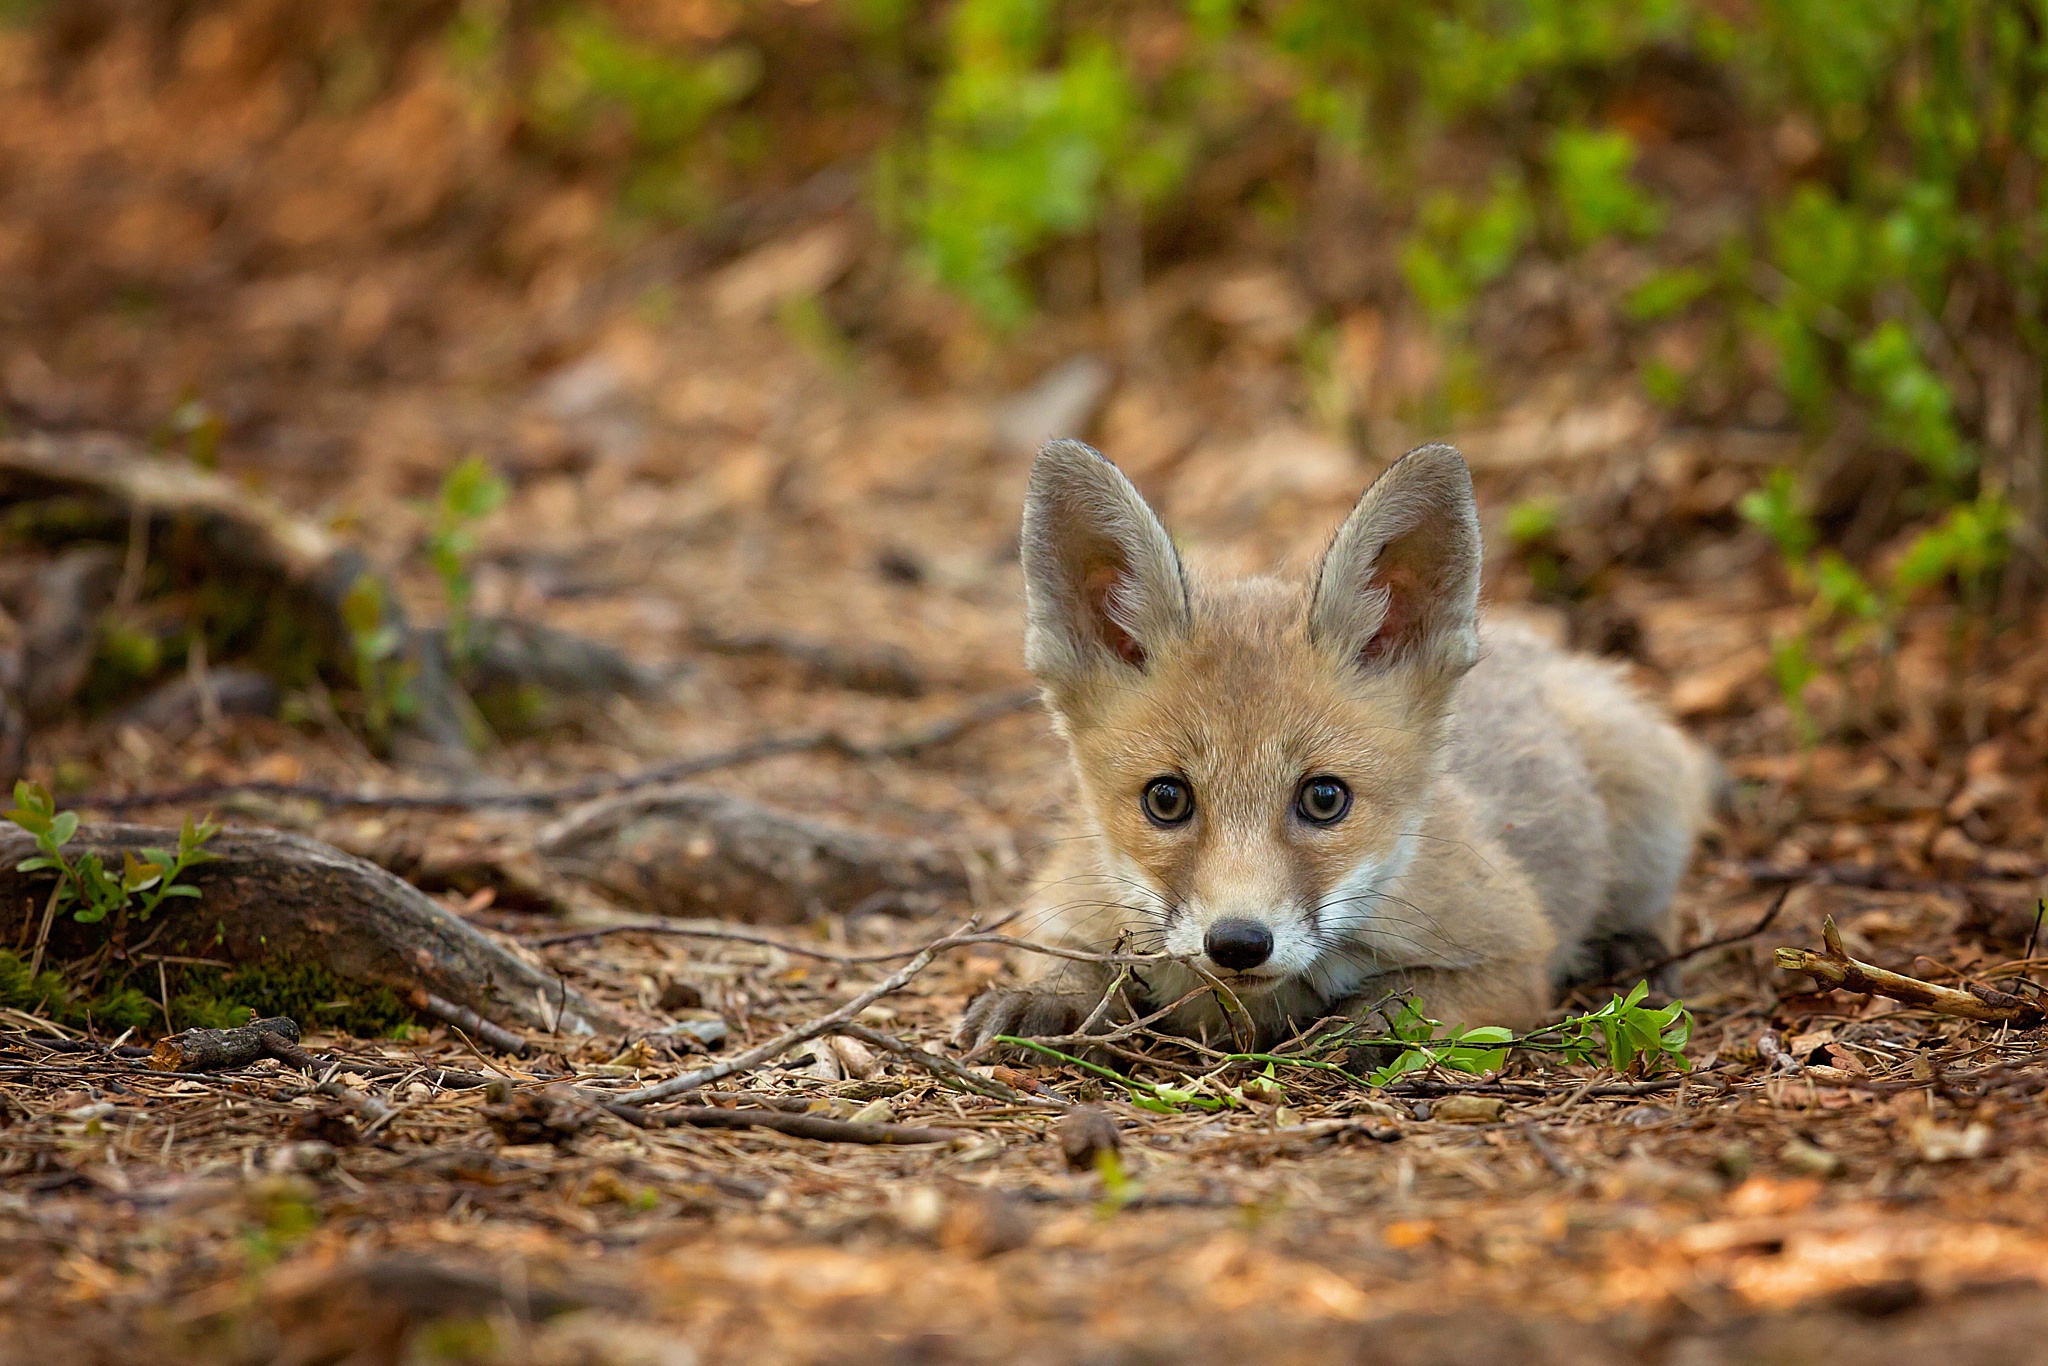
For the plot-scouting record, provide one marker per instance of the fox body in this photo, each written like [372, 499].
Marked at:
[1332, 794]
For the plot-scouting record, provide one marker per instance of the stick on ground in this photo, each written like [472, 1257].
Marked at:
[816, 1127]
[1835, 968]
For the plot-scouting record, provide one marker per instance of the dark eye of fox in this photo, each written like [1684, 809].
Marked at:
[1168, 801]
[1323, 800]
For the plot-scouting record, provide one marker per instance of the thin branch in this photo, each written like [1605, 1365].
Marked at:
[945, 1068]
[1835, 968]
[705, 929]
[815, 1127]
[900, 745]
[782, 1043]
[1647, 970]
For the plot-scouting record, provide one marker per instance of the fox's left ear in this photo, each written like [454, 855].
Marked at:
[1400, 583]
[1102, 585]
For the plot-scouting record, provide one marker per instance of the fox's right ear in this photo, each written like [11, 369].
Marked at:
[1400, 583]
[1102, 585]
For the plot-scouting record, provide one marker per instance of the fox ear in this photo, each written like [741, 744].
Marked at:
[1102, 584]
[1400, 583]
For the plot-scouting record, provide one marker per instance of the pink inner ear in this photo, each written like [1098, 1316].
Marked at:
[1098, 589]
[1403, 591]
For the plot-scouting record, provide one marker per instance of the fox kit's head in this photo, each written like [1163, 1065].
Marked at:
[1255, 754]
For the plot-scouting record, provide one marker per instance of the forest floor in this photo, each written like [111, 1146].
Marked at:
[694, 459]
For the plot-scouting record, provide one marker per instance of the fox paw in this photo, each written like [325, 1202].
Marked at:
[1021, 1013]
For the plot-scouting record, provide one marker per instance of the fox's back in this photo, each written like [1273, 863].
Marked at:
[1593, 793]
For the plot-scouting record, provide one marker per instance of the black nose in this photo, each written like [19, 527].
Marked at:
[1239, 945]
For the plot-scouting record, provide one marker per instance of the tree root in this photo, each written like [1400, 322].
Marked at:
[280, 898]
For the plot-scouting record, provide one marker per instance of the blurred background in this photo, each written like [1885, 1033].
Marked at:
[724, 331]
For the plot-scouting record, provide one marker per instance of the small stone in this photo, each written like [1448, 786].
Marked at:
[877, 1111]
[1802, 1156]
[331, 1125]
[679, 995]
[308, 1157]
[712, 1033]
[1060, 403]
[983, 1224]
[1944, 1143]
[856, 1059]
[1085, 1133]
[1470, 1109]
[1734, 1162]
[919, 1210]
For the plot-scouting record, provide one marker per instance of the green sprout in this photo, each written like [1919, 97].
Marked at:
[86, 887]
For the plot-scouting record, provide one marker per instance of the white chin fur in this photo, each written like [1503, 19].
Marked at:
[1373, 934]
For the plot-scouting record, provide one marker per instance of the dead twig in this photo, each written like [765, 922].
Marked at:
[215, 1050]
[816, 1127]
[704, 929]
[463, 1018]
[944, 1068]
[901, 745]
[1648, 970]
[782, 1043]
[1835, 968]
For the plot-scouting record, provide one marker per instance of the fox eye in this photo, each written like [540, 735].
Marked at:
[1323, 800]
[1168, 801]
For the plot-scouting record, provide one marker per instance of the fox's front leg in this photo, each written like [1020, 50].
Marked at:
[1057, 1004]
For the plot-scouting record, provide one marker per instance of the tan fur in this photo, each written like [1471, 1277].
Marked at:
[1518, 816]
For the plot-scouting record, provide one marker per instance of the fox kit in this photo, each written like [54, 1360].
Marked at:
[1328, 795]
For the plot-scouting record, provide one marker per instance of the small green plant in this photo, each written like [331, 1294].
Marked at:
[1117, 1186]
[86, 887]
[1022, 150]
[1779, 511]
[1623, 1034]
[471, 492]
[1532, 526]
[377, 644]
[1590, 176]
[1667, 293]
[1461, 245]
[196, 426]
[1846, 613]
[1425, 1046]
[600, 77]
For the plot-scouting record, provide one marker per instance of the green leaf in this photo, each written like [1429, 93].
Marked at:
[35, 822]
[138, 876]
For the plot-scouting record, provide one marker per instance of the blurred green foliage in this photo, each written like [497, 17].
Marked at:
[1883, 270]
[1029, 136]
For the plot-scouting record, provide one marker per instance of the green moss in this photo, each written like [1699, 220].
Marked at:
[51, 996]
[206, 998]
[222, 997]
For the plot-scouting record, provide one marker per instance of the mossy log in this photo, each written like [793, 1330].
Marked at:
[280, 899]
[244, 533]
